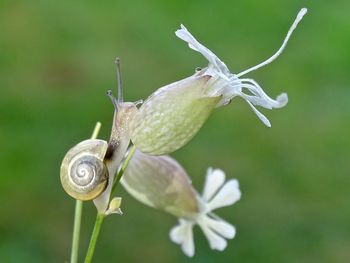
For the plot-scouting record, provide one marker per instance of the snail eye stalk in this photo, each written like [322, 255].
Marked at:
[119, 80]
[115, 102]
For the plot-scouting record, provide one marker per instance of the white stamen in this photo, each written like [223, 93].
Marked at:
[300, 15]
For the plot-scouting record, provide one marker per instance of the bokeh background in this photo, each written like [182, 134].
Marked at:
[56, 63]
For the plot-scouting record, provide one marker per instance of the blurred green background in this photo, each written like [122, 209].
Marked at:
[56, 63]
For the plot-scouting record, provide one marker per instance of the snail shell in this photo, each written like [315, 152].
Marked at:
[84, 175]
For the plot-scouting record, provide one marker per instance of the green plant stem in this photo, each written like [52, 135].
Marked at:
[122, 170]
[94, 236]
[78, 213]
[96, 130]
[100, 217]
[76, 231]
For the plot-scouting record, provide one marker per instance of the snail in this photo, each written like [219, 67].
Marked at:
[88, 169]
[84, 175]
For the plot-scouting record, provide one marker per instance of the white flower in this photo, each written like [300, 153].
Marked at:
[160, 182]
[234, 85]
[174, 113]
[216, 194]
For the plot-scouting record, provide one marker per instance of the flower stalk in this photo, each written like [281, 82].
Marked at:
[76, 231]
[94, 237]
[101, 216]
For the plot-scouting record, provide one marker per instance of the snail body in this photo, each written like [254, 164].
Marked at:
[117, 147]
[84, 175]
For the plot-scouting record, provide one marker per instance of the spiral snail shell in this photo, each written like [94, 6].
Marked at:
[84, 175]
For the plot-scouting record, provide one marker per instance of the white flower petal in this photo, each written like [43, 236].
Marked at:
[227, 195]
[215, 241]
[220, 226]
[188, 244]
[182, 234]
[214, 61]
[259, 114]
[177, 233]
[214, 180]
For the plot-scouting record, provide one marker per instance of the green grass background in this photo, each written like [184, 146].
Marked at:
[56, 63]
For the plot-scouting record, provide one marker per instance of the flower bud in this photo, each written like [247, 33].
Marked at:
[172, 115]
[160, 182]
[114, 206]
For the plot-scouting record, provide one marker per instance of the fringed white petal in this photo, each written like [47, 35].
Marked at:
[228, 195]
[182, 234]
[177, 233]
[215, 241]
[214, 180]
[219, 67]
[220, 226]
[188, 244]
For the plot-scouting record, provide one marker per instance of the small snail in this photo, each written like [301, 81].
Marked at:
[84, 174]
[88, 169]
[119, 139]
